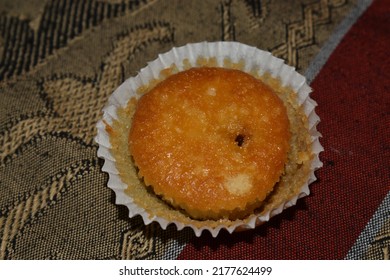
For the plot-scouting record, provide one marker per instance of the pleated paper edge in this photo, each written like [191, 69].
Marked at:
[236, 52]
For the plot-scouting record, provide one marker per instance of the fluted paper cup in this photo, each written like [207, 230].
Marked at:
[123, 180]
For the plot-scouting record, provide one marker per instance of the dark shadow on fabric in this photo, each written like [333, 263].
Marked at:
[225, 239]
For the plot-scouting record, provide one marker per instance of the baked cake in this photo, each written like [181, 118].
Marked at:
[210, 136]
[211, 142]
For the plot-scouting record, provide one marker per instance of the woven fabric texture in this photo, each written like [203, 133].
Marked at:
[61, 59]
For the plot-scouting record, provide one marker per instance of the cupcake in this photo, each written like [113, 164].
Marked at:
[210, 136]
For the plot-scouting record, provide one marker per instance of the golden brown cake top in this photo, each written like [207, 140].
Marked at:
[211, 141]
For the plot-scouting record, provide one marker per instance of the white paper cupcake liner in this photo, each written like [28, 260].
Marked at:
[252, 58]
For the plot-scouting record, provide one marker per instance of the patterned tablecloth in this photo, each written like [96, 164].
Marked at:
[61, 59]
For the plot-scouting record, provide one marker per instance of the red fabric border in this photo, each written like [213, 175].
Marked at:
[353, 93]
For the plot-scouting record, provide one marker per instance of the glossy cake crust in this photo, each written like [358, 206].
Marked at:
[211, 141]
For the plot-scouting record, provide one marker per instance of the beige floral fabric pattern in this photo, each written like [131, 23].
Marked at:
[59, 62]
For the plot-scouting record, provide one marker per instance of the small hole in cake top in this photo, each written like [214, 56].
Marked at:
[239, 140]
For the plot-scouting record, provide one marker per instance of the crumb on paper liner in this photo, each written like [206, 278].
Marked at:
[223, 54]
